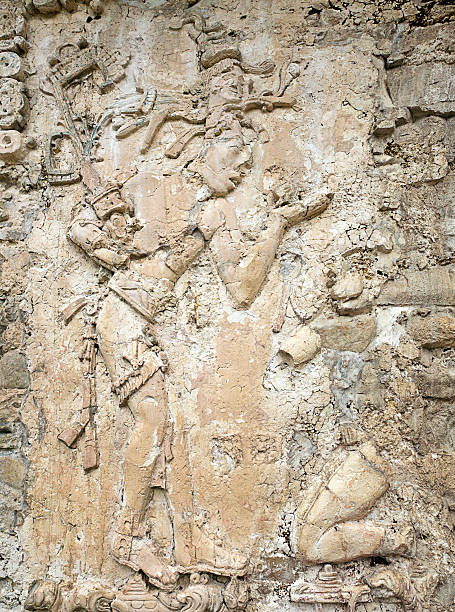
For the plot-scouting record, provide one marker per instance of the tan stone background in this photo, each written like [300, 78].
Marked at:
[253, 431]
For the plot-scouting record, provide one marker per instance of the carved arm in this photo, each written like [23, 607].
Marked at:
[86, 231]
[243, 267]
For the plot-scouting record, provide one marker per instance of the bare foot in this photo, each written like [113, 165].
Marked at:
[216, 557]
[139, 554]
[156, 569]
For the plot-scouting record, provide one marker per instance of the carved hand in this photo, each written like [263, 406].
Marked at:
[294, 208]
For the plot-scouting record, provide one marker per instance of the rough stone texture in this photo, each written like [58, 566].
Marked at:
[302, 345]
[433, 331]
[346, 334]
[423, 288]
[192, 191]
[348, 287]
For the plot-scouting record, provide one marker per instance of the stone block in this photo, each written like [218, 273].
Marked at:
[348, 287]
[433, 331]
[12, 470]
[346, 334]
[428, 87]
[13, 371]
[437, 382]
[435, 286]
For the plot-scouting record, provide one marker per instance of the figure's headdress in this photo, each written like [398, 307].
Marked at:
[215, 44]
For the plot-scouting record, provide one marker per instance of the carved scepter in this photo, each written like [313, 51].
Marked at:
[85, 421]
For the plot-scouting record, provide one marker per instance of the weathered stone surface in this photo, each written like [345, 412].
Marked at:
[348, 287]
[302, 345]
[344, 334]
[13, 371]
[12, 470]
[423, 288]
[196, 198]
[427, 88]
[356, 306]
[433, 331]
[438, 382]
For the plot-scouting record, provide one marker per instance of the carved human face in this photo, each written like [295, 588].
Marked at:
[225, 85]
[220, 166]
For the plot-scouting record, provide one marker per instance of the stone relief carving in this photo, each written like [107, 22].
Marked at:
[69, 66]
[47, 596]
[143, 280]
[331, 529]
[200, 594]
[13, 100]
[84, 422]
[13, 27]
[386, 586]
[47, 7]
[363, 322]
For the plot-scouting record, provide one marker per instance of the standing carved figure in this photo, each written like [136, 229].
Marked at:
[149, 254]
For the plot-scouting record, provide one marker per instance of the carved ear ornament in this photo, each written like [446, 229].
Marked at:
[60, 175]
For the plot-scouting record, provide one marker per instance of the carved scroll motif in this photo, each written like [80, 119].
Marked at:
[199, 594]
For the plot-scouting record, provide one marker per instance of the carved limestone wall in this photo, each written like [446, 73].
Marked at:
[227, 308]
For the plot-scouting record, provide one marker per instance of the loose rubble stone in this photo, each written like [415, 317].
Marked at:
[343, 334]
[302, 345]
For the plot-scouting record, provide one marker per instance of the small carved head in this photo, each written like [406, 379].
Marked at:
[221, 164]
[43, 596]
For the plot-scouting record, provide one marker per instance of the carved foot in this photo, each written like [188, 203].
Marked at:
[216, 558]
[398, 540]
[294, 210]
[139, 554]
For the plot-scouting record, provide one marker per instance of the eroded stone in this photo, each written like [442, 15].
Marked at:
[302, 345]
[344, 334]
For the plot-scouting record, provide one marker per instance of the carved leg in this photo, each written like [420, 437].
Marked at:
[117, 326]
[330, 531]
[150, 410]
[214, 555]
